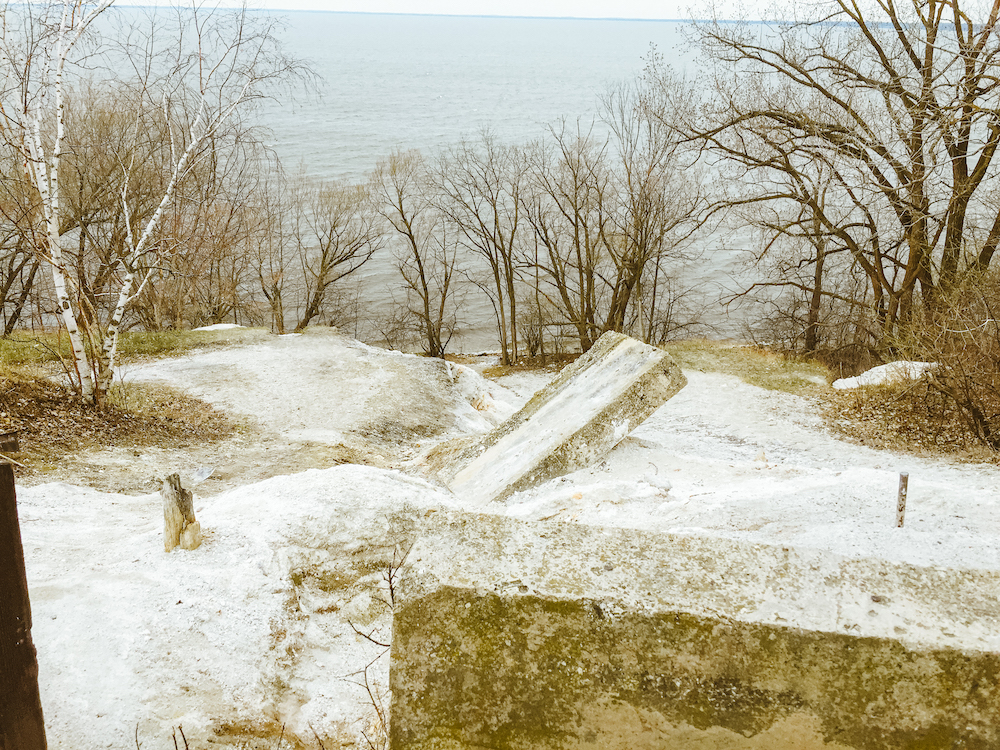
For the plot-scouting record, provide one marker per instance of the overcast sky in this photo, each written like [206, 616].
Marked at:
[663, 9]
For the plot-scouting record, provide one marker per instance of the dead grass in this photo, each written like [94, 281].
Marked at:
[53, 425]
[550, 363]
[754, 365]
[259, 735]
[48, 349]
[51, 422]
[905, 417]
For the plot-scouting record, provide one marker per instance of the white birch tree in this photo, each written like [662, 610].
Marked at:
[34, 58]
[198, 78]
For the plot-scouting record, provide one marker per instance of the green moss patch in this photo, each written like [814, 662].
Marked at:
[520, 672]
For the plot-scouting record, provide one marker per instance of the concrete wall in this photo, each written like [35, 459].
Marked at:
[510, 635]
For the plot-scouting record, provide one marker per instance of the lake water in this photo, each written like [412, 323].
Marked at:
[398, 81]
[427, 82]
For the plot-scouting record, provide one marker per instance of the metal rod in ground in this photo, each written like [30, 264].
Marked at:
[21, 724]
[904, 479]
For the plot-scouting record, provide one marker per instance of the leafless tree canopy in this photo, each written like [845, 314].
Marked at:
[124, 140]
[862, 137]
[857, 140]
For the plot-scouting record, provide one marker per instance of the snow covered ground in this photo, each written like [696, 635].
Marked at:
[258, 628]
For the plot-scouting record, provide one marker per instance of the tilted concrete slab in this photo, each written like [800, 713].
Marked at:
[572, 422]
[515, 635]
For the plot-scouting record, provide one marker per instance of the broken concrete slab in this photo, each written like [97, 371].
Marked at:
[572, 422]
[516, 635]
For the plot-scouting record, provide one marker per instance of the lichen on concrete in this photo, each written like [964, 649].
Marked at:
[507, 635]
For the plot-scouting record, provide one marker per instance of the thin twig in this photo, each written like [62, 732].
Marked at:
[391, 573]
[374, 700]
[321, 745]
[368, 636]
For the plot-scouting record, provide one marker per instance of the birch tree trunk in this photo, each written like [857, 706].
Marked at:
[43, 169]
[214, 64]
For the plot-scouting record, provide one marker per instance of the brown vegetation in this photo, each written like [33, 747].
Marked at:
[904, 417]
[52, 423]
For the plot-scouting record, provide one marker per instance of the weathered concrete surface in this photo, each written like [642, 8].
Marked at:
[514, 635]
[572, 422]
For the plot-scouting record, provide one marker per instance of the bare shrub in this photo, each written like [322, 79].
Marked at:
[955, 407]
[908, 416]
[962, 335]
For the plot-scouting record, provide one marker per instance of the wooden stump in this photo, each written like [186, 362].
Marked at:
[179, 525]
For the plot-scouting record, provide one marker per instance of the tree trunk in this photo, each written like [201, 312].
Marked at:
[816, 300]
[14, 315]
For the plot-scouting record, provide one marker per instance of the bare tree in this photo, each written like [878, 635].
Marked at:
[427, 254]
[480, 195]
[899, 104]
[569, 208]
[197, 78]
[613, 217]
[194, 275]
[36, 49]
[336, 234]
[273, 246]
[660, 203]
[19, 264]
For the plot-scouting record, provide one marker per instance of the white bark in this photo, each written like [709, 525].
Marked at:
[44, 170]
[223, 85]
[202, 128]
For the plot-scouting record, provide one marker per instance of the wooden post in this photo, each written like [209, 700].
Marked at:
[21, 724]
[904, 479]
[179, 524]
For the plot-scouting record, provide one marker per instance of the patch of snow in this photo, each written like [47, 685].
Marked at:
[218, 327]
[328, 388]
[893, 372]
[127, 634]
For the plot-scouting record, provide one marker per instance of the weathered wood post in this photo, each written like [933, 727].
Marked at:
[21, 724]
[179, 524]
[904, 479]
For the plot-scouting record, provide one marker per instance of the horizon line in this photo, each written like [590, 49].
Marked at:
[474, 15]
[461, 15]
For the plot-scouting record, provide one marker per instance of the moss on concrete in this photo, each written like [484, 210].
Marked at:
[517, 635]
[481, 670]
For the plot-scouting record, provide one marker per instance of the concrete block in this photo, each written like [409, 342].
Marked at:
[515, 635]
[572, 422]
